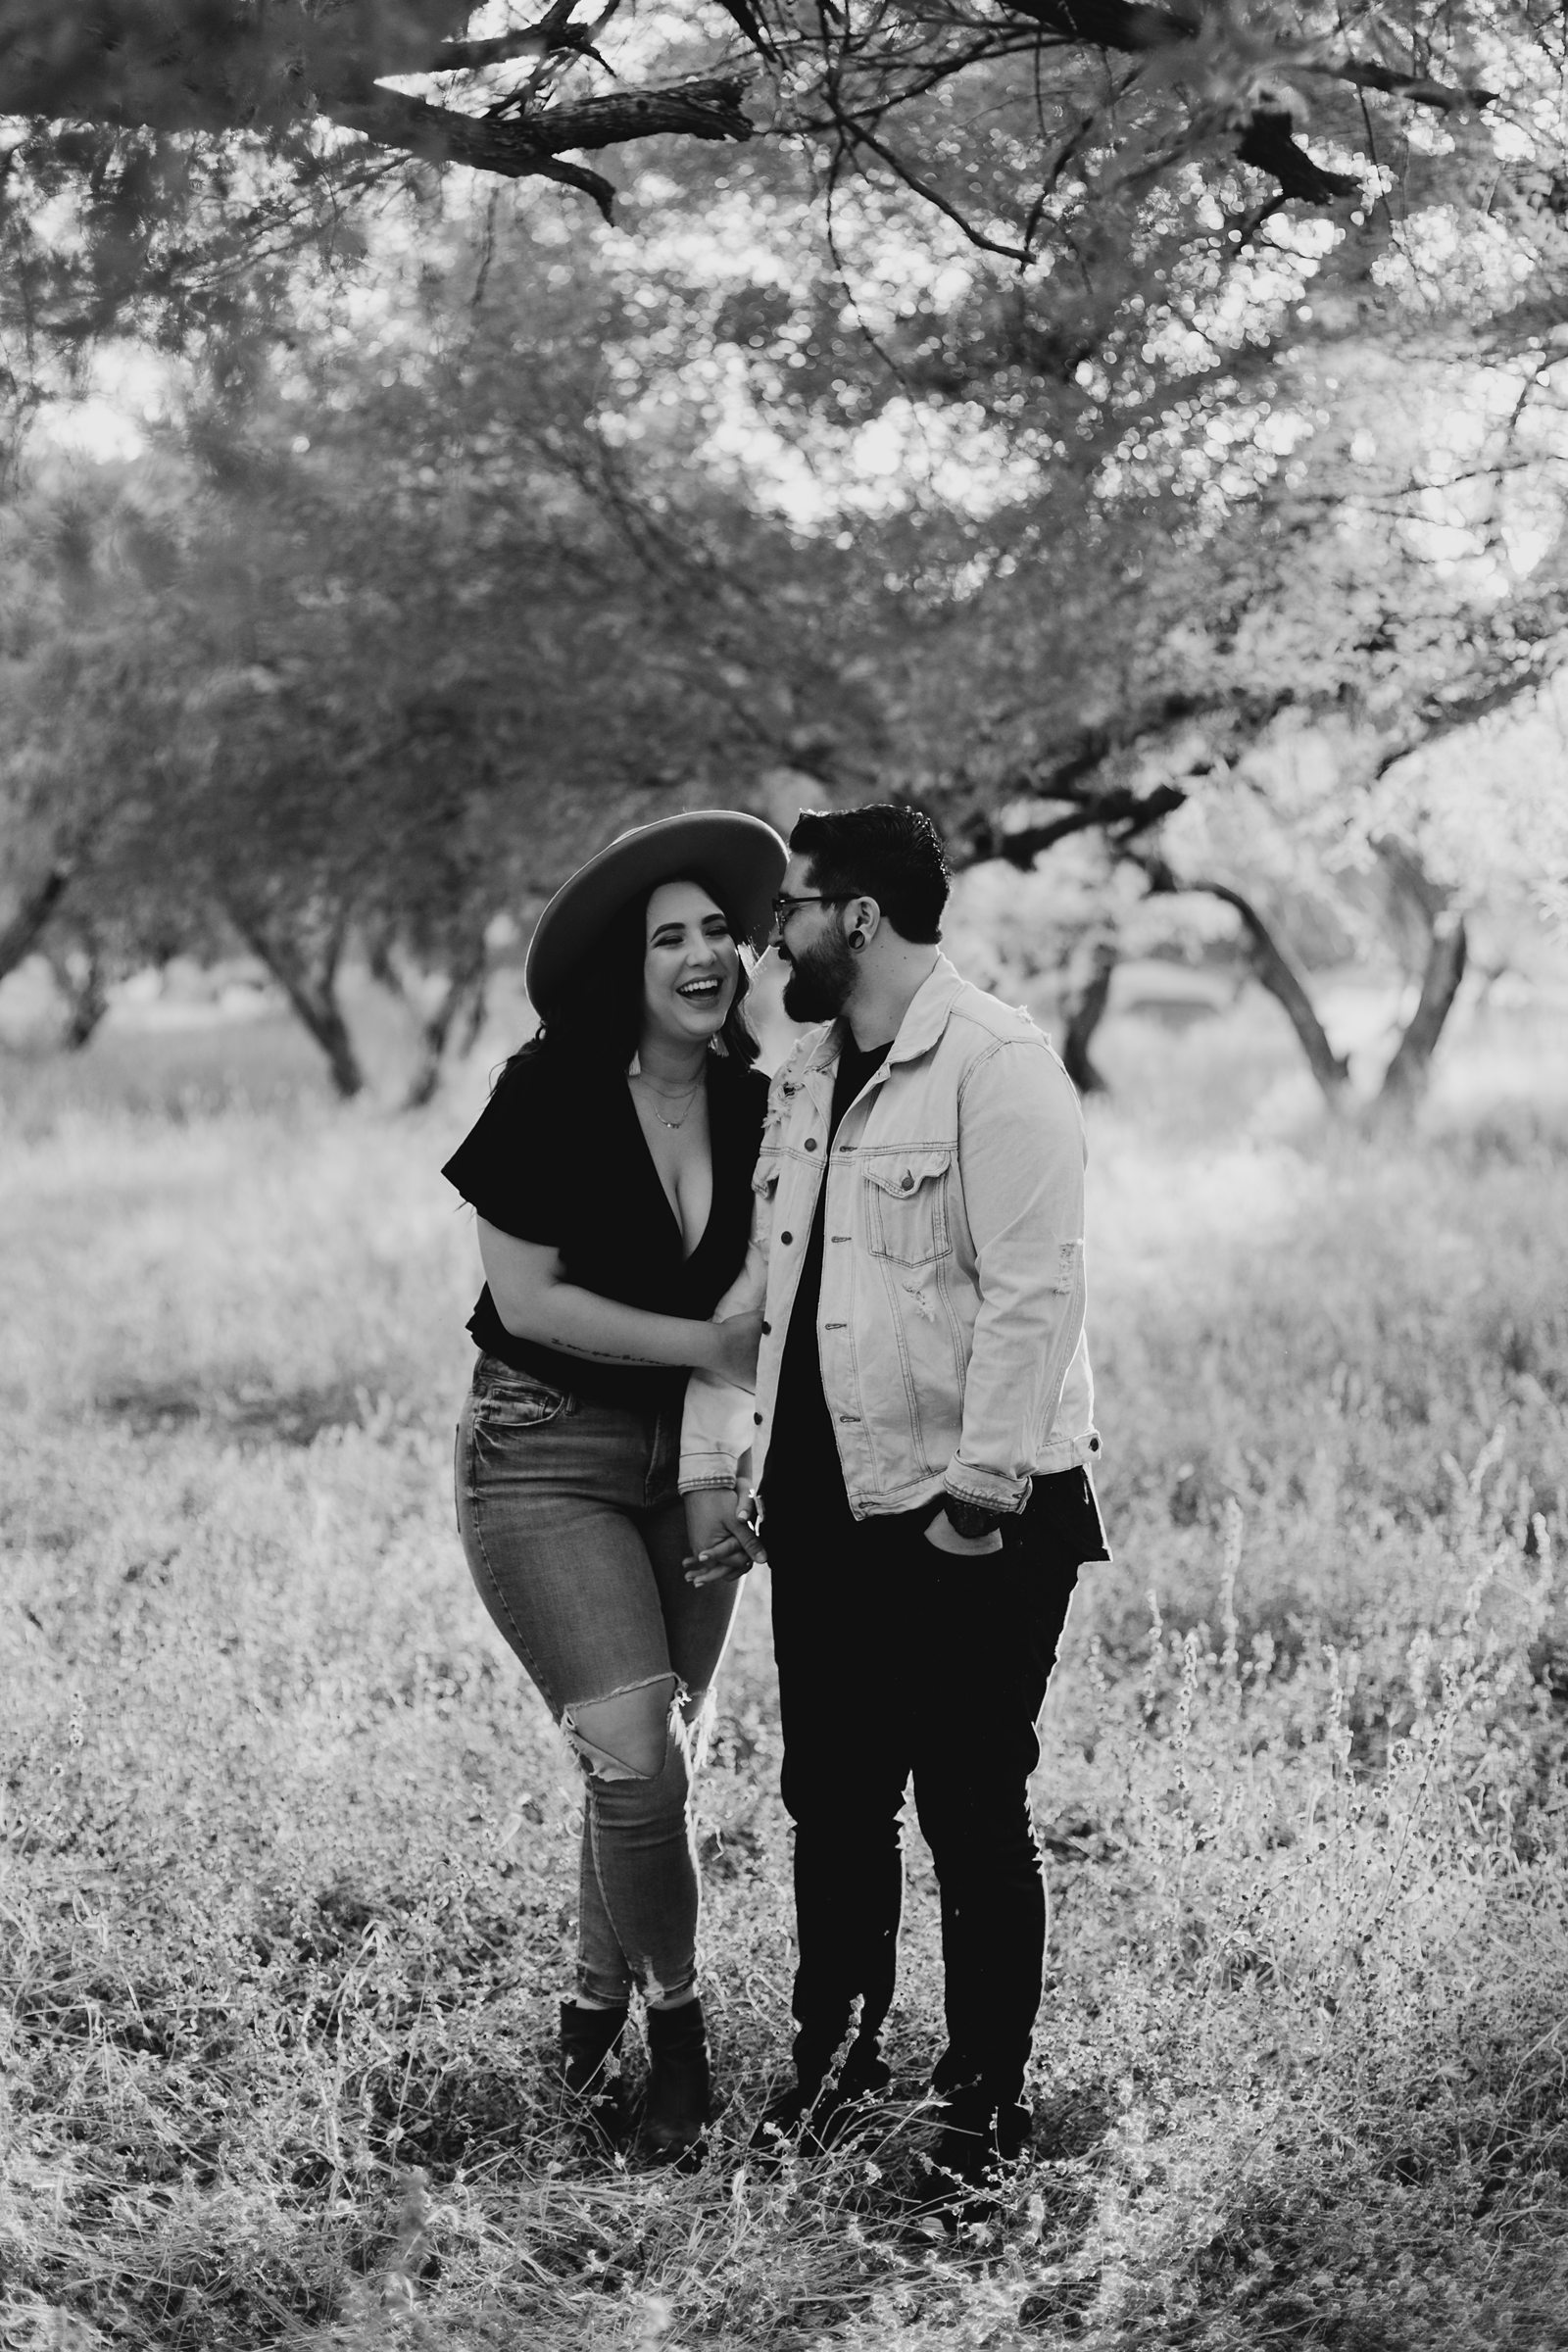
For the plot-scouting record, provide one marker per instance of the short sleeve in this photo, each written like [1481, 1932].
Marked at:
[505, 1168]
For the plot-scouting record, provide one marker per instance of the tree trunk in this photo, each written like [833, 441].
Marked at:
[1274, 972]
[474, 1019]
[464, 988]
[1083, 1019]
[21, 935]
[310, 984]
[1405, 1079]
[81, 983]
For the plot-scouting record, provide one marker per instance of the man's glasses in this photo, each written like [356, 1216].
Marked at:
[783, 909]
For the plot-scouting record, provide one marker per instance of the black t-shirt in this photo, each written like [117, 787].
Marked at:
[803, 1453]
[558, 1156]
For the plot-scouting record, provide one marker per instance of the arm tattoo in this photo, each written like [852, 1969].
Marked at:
[610, 1355]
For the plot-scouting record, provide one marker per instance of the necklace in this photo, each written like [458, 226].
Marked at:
[689, 1098]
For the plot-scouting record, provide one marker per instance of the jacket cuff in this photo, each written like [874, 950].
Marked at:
[708, 1485]
[987, 1488]
[707, 1466]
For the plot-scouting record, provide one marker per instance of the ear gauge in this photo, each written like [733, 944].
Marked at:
[857, 939]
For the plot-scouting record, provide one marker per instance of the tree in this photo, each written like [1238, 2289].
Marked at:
[1069, 549]
[1351, 567]
[198, 140]
[1186, 76]
[379, 643]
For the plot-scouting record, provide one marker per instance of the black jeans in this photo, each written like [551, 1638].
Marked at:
[899, 1661]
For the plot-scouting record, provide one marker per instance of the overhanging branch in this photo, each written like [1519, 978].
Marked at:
[530, 146]
[1267, 139]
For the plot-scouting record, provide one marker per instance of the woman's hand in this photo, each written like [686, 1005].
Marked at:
[735, 1342]
[723, 1542]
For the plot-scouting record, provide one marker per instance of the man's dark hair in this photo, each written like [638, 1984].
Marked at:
[888, 851]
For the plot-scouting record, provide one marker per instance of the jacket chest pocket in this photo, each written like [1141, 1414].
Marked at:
[907, 1206]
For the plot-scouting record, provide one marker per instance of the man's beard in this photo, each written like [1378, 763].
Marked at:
[821, 979]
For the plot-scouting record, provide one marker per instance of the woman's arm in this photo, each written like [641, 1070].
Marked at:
[535, 1303]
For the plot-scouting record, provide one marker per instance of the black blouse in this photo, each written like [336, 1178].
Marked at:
[559, 1156]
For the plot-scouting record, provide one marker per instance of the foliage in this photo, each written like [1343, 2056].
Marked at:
[386, 632]
[884, 88]
[288, 1853]
[1208, 493]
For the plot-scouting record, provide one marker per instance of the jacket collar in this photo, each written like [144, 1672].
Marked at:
[924, 1020]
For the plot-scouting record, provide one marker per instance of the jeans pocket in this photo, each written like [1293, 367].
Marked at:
[515, 1401]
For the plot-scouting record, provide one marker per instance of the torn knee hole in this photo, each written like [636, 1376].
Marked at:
[626, 1735]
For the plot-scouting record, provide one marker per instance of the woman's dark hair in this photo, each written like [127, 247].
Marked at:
[887, 850]
[595, 1013]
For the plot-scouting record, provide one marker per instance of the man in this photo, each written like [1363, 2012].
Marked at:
[919, 1438]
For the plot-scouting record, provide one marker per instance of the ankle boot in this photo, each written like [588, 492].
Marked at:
[982, 2137]
[591, 2076]
[679, 2084]
[786, 2111]
[822, 2109]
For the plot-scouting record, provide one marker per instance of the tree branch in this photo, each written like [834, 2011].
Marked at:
[20, 936]
[553, 31]
[1268, 141]
[1407, 1074]
[1440, 718]
[527, 147]
[1420, 91]
[1410, 877]
[530, 146]
[1274, 971]
[861, 137]
[1268, 145]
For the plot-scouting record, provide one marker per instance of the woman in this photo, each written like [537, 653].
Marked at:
[612, 1173]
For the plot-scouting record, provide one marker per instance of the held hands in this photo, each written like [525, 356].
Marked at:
[723, 1542]
[733, 1351]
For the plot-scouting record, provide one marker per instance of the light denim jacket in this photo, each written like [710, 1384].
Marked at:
[951, 1318]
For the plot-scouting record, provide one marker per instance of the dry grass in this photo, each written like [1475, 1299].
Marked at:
[286, 1839]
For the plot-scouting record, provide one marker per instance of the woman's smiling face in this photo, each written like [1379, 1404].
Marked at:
[690, 966]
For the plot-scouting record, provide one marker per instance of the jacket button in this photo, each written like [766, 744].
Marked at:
[786, 1237]
[758, 1419]
[767, 1331]
[908, 1180]
[810, 1142]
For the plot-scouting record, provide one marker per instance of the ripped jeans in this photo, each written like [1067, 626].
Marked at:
[574, 1534]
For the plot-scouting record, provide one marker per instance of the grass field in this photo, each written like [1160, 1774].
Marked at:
[287, 1840]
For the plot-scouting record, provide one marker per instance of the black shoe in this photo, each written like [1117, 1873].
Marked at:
[819, 2113]
[954, 2068]
[781, 2119]
[592, 2079]
[853, 2101]
[680, 2085]
[981, 2137]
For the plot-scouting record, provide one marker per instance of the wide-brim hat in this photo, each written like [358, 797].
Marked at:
[740, 856]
